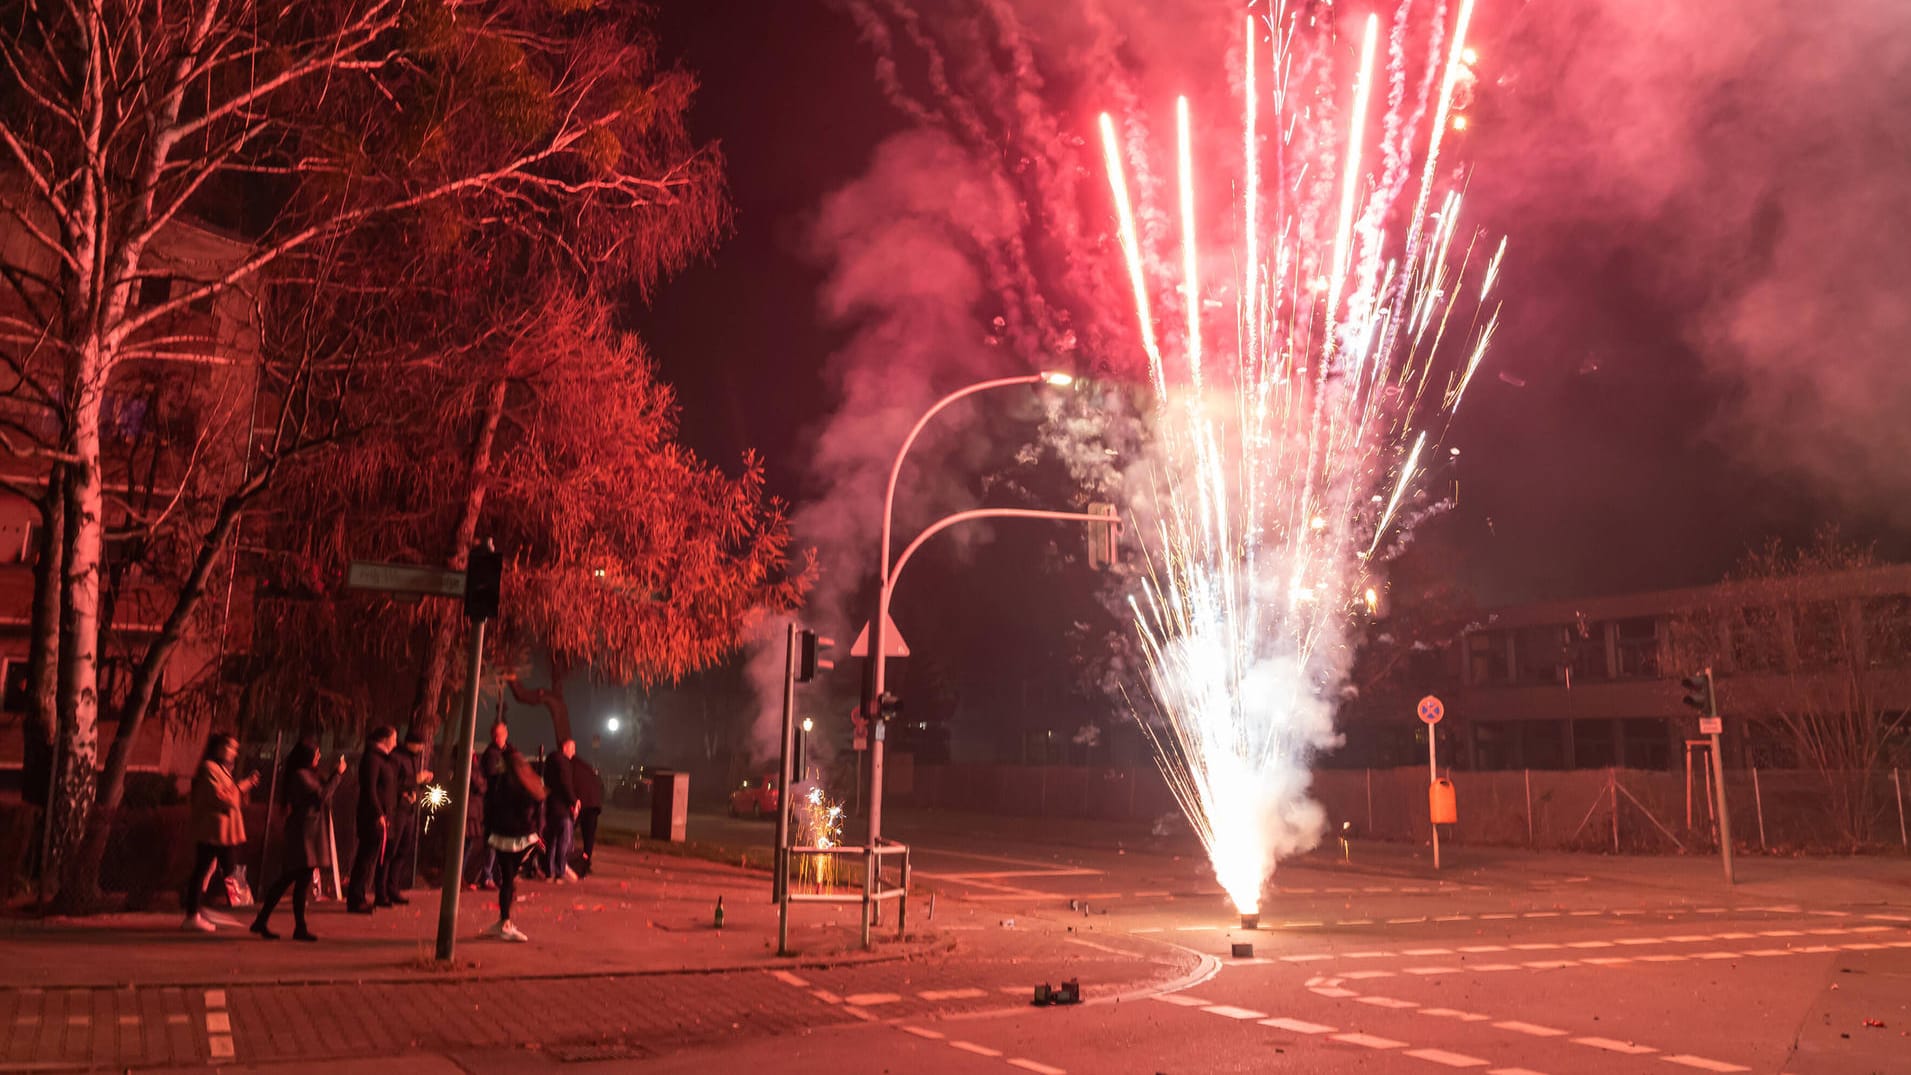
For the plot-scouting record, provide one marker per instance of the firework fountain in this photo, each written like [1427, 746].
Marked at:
[1284, 455]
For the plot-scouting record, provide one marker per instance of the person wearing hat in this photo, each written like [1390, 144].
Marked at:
[408, 769]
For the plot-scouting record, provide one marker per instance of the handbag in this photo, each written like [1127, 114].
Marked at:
[238, 892]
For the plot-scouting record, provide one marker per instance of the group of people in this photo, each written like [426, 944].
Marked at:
[513, 811]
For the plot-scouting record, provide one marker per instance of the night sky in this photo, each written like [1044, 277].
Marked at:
[1606, 450]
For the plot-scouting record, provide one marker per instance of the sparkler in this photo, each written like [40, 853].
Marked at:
[1283, 467]
[820, 825]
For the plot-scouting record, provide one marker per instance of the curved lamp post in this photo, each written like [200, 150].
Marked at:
[878, 627]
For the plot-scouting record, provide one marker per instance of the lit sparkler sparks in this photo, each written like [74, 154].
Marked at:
[819, 821]
[1282, 471]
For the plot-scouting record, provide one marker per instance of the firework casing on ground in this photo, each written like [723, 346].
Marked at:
[1441, 804]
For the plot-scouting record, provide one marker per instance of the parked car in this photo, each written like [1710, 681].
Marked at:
[756, 798]
[632, 789]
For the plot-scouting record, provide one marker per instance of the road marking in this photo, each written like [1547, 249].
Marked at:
[1435, 970]
[1734, 936]
[219, 1046]
[1454, 1013]
[175, 1019]
[1334, 991]
[923, 1032]
[1694, 938]
[1869, 929]
[1151, 895]
[1703, 1064]
[129, 1020]
[1452, 1060]
[1833, 914]
[1180, 1000]
[1542, 914]
[1150, 929]
[1368, 955]
[1514, 1071]
[1298, 1026]
[1612, 1046]
[1666, 958]
[216, 1022]
[1780, 933]
[1889, 917]
[1229, 1011]
[1454, 918]
[1037, 1068]
[1388, 1002]
[84, 1020]
[1606, 961]
[1369, 1041]
[1863, 947]
[1311, 958]
[868, 1000]
[1585, 914]
[1405, 921]
[1715, 955]
[1483, 948]
[789, 979]
[1195, 929]
[1427, 952]
[1637, 940]
[1359, 974]
[826, 996]
[1491, 918]
[1769, 952]
[972, 1047]
[1552, 964]
[1355, 922]
[1483, 967]
[953, 994]
[1299, 925]
[1589, 944]
[1537, 946]
[215, 998]
[1530, 1028]
[858, 1013]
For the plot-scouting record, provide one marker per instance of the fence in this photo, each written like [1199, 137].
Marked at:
[1626, 810]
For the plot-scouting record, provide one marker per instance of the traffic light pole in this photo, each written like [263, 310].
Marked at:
[451, 882]
[1725, 818]
[779, 891]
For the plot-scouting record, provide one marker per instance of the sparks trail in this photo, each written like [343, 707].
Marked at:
[1281, 468]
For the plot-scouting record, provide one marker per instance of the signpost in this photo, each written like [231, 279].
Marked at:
[1430, 710]
[479, 587]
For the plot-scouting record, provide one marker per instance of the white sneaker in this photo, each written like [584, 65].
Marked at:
[196, 923]
[511, 932]
[218, 919]
[495, 929]
[570, 874]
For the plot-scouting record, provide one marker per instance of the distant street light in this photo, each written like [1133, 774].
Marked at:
[612, 725]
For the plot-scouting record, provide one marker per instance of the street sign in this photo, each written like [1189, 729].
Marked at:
[1711, 725]
[859, 728]
[405, 578]
[893, 645]
[1431, 710]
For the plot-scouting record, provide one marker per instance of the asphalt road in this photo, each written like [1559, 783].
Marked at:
[1503, 963]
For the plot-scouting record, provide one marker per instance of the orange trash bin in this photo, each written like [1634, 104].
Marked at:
[1440, 803]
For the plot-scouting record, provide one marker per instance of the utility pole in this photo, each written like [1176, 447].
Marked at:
[482, 583]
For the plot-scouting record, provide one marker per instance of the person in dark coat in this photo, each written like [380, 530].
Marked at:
[590, 804]
[377, 801]
[560, 809]
[410, 774]
[510, 818]
[306, 798]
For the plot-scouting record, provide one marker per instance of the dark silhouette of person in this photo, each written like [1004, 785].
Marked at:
[307, 797]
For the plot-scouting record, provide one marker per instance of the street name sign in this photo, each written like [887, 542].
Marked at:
[1711, 725]
[1431, 710]
[405, 578]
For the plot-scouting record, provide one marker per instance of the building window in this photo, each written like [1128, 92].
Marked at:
[1486, 657]
[1540, 654]
[13, 698]
[1638, 646]
[1586, 651]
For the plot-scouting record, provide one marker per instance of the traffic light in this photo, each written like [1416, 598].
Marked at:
[483, 582]
[1699, 694]
[888, 707]
[810, 647]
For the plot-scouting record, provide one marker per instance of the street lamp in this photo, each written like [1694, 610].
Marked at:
[612, 725]
[878, 627]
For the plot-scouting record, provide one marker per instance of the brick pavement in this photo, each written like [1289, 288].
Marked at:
[103, 1027]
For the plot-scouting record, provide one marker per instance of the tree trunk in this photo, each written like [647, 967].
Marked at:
[39, 730]
[551, 698]
[428, 709]
[79, 625]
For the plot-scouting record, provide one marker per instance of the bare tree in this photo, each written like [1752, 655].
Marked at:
[1809, 646]
[124, 121]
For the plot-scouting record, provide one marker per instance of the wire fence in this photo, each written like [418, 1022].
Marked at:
[1622, 810]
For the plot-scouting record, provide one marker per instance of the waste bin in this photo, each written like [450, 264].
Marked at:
[1440, 803]
[669, 805]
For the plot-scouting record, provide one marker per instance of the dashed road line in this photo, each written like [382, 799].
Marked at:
[1228, 1011]
[1441, 1056]
[1038, 1068]
[1388, 1002]
[923, 1032]
[1298, 1026]
[789, 979]
[972, 1047]
[868, 1000]
[1613, 1045]
[1182, 1000]
[1533, 1029]
[1455, 1013]
[1370, 1041]
[969, 993]
[1702, 1063]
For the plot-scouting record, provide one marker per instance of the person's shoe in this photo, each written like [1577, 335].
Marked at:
[495, 929]
[486, 886]
[381, 903]
[304, 935]
[511, 932]
[570, 874]
[218, 919]
[359, 908]
[469, 887]
[196, 923]
[400, 901]
[259, 928]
